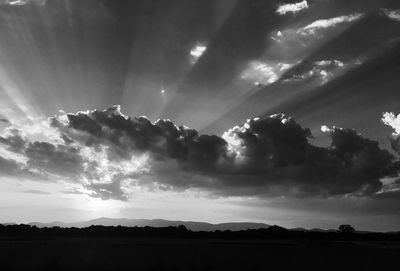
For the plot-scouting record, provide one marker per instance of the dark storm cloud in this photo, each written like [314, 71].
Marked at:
[55, 159]
[395, 143]
[9, 167]
[270, 156]
[106, 191]
[43, 156]
[13, 139]
[41, 161]
[277, 152]
[125, 135]
[262, 157]
[12, 168]
[395, 194]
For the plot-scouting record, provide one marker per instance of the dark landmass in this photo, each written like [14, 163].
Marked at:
[191, 225]
[26, 247]
[181, 231]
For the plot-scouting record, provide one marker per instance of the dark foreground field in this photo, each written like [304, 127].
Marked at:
[195, 254]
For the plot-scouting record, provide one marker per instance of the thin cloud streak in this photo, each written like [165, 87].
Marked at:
[331, 22]
[293, 8]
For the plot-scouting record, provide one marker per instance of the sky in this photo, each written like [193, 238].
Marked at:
[282, 112]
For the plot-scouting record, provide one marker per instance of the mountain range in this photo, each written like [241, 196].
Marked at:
[191, 225]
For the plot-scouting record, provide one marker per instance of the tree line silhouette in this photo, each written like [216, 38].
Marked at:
[344, 232]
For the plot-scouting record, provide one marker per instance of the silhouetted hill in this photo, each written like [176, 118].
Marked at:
[191, 225]
[274, 232]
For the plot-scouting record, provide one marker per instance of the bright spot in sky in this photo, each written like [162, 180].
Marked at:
[294, 8]
[197, 52]
[325, 129]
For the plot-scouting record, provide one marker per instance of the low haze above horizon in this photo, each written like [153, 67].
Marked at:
[279, 112]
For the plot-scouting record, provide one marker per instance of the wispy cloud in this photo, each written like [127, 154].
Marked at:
[22, 2]
[259, 72]
[331, 22]
[38, 192]
[392, 14]
[293, 8]
[322, 70]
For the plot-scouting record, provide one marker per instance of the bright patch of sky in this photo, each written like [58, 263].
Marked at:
[196, 52]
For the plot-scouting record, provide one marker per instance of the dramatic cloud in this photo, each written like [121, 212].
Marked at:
[108, 153]
[293, 8]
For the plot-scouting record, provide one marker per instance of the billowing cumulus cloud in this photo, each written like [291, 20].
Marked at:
[293, 8]
[108, 153]
[393, 121]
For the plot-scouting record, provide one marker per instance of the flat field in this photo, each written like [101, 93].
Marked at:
[194, 254]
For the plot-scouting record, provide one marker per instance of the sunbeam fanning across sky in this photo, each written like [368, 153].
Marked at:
[283, 112]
